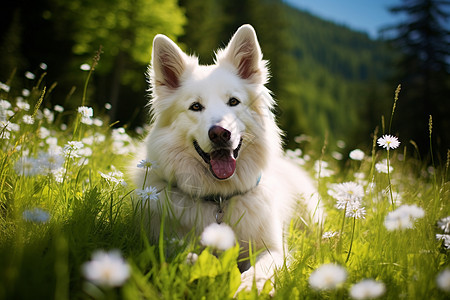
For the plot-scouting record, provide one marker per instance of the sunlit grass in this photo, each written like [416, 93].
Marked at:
[64, 197]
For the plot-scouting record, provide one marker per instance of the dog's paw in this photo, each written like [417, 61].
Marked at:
[248, 278]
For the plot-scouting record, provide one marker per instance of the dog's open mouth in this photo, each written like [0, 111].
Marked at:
[222, 162]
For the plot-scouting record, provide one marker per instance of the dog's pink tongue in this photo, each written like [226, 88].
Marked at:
[222, 163]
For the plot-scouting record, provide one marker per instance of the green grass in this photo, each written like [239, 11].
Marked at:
[42, 259]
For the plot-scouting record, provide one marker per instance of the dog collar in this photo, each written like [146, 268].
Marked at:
[220, 199]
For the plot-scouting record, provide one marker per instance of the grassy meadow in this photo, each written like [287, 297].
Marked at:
[70, 227]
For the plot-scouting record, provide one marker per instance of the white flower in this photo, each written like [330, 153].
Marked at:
[85, 67]
[58, 108]
[49, 115]
[146, 164]
[388, 141]
[403, 217]
[149, 193]
[108, 106]
[36, 215]
[22, 104]
[356, 154]
[30, 75]
[4, 87]
[25, 92]
[327, 277]
[27, 166]
[106, 269]
[445, 238]
[50, 161]
[329, 234]
[191, 258]
[443, 280]
[355, 210]
[337, 155]
[346, 192]
[341, 144]
[43, 66]
[72, 148]
[218, 236]
[114, 177]
[322, 167]
[27, 119]
[381, 167]
[367, 289]
[86, 111]
[444, 224]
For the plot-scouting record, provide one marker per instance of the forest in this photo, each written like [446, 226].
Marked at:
[330, 82]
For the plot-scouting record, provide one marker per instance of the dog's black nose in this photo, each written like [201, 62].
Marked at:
[219, 135]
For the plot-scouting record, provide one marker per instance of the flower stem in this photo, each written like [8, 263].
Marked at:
[389, 180]
[351, 241]
[145, 177]
[342, 229]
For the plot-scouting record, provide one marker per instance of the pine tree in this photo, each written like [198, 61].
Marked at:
[423, 40]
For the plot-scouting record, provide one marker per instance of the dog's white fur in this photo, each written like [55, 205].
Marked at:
[260, 209]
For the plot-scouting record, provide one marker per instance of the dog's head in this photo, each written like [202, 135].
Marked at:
[217, 114]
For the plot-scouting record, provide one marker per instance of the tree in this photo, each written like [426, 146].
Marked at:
[125, 30]
[423, 39]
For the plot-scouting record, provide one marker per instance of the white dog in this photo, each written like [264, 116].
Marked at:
[218, 151]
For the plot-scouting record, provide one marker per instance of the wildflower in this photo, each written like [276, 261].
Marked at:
[381, 167]
[43, 132]
[295, 156]
[4, 87]
[367, 289]
[49, 115]
[191, 258]
[146, 164]
[329, 234]
[443, 280]
[43, 66]
[218, 236]
[27, 119]
[106, 269]
[341, 144]
[114, 177]
[36, 215]
[356, 154]
[51, 160]
[59, 174]
[108, 106]
[27, 166]
[85, 67]
[355, 210]
[22, 104]
[72, 148]
[445, 238]
[322, 168]
[403, 217]
[444, 224]
[25, 92]
[30, 75]
[149, 193]
[97, 122]
[346, 192]
[388, 142]
[58, 108]
[327, 277]
[337, 155]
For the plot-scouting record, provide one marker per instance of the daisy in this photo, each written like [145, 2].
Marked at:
[356, 154]
[146, 164]
[444, 224]
[72, 148]
[327, 277]
[107, 269]
[367, 289]
[345, 192]
[388, 142]
[149, 193]
[218, 236]
[445, 238]
[443, 280]
[403, 217]
[381, 167]
[355, 210]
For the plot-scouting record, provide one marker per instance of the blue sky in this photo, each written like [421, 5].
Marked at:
[362, 15]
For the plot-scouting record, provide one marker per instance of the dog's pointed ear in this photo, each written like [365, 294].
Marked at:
[244, 53]
[168, 63]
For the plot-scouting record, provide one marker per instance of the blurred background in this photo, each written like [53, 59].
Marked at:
[332, 75]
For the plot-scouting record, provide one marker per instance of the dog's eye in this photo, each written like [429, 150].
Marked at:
[233, 102]
[196, 107]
